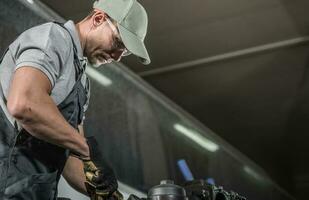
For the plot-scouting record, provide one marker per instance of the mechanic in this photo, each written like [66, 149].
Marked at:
[44, 93]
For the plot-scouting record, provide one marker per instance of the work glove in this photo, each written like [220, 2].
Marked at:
[134, 197]
[115, 196]
[97, 195]
[101, 182]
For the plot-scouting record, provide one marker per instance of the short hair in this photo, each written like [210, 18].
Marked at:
[91, 13]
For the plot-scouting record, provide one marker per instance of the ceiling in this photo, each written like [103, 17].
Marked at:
[227, 63]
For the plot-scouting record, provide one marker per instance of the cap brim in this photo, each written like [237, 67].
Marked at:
[134, 44]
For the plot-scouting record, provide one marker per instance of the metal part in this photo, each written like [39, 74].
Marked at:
[167, 190]
[225, 56]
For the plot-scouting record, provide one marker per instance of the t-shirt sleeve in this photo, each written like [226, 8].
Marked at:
[44, 48]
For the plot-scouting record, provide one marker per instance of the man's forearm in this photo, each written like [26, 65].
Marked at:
[43, 120]
[73, 173]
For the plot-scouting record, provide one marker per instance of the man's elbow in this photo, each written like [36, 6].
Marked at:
[18, 108]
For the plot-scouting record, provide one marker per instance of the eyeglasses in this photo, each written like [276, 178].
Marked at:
[118, 44]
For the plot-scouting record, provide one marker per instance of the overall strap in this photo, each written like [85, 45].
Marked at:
[3, 100]
[78, 66]
[1, 92]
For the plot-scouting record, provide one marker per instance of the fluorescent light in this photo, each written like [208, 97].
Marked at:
[97, 76]
[252, 173]
[197, 138]
[30, 1]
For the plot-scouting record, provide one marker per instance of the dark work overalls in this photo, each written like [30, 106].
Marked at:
[30, 168]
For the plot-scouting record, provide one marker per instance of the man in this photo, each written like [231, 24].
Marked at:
[44, 93]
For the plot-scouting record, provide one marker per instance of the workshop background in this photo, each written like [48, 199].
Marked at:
[235, 72]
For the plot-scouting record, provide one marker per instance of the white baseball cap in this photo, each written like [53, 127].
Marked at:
[132, 21]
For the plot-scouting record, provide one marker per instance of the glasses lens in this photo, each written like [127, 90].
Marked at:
[126, 52]
[112, 26]
[118, 42]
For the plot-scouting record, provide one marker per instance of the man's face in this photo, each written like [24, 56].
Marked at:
[103, 44]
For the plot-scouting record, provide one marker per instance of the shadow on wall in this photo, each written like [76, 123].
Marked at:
[297, 124]
[298, 129]
[298, 119]
[14, 19]
[7, 34]
[298, 11]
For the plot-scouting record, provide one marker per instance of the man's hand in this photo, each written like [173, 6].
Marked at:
[100, 178]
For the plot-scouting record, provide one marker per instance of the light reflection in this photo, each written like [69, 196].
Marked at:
[197, 138]
[30, 1]
[185, 170]
[253, 173]
[99, 77]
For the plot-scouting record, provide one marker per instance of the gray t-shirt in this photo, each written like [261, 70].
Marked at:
[47, 47]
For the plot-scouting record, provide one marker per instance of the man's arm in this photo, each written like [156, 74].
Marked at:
[73, 171]
[101, 182]
[30, 103]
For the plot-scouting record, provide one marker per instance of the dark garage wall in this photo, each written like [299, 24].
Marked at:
[258, 103]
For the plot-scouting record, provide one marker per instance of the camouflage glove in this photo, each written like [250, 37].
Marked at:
[97, 195]
[101, 182]
[116, 196]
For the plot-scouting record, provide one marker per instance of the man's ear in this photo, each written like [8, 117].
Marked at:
[98, 18]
